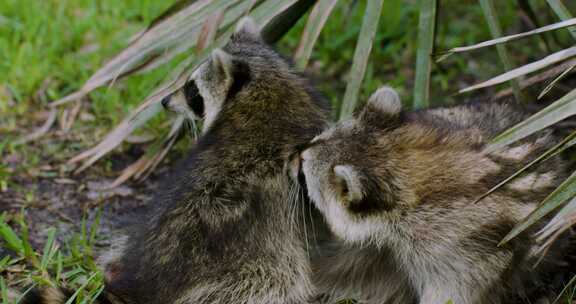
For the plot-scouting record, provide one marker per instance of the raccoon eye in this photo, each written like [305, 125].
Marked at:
[344, 190]
[193, 98]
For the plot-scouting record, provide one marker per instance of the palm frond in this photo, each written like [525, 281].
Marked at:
[426, 34]
[496, 31]
[161, 42]
[361, 56]
[562, 12]
[554, 81]
[314, 25]
[265, 14]
[506, 39]
[547, 61]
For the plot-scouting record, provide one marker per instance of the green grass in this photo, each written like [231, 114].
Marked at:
[72, 267]
[48, 50]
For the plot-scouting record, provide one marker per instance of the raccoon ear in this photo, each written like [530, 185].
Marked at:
[382, 108]
[222, 63]
[248, 27]
[385, 100]
[348, 184]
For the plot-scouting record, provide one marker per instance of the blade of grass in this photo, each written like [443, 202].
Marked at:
[565, 289]
[77, 292]
[562, 12]
[531, 18]
[3, 263]
[10, 237]
[28, 251]
[505, 39]
[49, 250]
[4, 291]
[314, 25]
[525, 69]
[563, 220]
[564, 192]
[59, 266]
[94, 227]
[426, 35]
[539, 77]
[19, 300]
[496, 32]
[361, 56]
[557, 111]
[555, 80]
[92, 297]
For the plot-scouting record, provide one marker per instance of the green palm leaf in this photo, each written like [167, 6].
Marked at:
[505, 39]
[314, 25]
[496, 31]
[547, 61]
[361, 56]
[562, 12]
[426, 33]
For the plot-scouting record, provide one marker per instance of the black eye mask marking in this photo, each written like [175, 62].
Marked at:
[193, 98]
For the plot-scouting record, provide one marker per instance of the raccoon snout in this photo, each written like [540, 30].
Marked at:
[165, 101]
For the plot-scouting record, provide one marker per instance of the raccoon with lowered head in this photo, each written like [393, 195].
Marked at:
[223, 231]
[405, 183]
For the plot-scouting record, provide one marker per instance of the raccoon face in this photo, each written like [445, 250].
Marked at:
[346, 171]
[186, 101]
[223, 75]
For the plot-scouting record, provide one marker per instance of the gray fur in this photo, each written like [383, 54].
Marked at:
[405, 183]
[222, 229]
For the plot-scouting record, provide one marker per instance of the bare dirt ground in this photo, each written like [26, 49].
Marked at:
[62, 203]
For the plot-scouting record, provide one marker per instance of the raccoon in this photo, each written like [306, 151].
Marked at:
[405, 183]
[222, 230]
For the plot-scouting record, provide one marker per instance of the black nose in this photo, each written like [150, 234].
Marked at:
[165, 101]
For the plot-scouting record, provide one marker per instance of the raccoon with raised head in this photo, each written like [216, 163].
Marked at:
[403, 186]
[222, 231]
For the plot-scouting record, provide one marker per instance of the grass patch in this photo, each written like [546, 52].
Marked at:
[69, 265]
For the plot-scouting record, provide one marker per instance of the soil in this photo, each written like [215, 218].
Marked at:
[62, 203]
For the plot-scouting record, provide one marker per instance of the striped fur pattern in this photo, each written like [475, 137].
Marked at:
[402, 185]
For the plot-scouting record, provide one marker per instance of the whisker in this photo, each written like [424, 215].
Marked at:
[304, 224]
[313, 227]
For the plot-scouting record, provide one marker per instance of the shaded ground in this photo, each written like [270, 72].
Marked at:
[63, 203]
